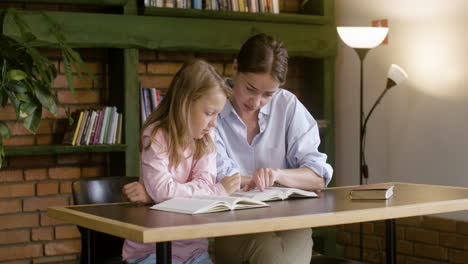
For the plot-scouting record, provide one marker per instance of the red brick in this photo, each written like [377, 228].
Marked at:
[161, 82]
[17, 262]
[10, 206]
[228, 70]
[12, 237]
[94, 67]
[61, 114]
[176, 56]
[18, 221]
[61, 82]
[19, 141]
[73, 159]
[415, 260]
[47, 188]
[41, 204]
[63, 232]
[42, 234]
[65, 247]
[352, 227]
[373, 242]
[352, 252]
[32, 161]
[7, 113]
[17, 128]
[64, 173]
[458, 256]
[344, 238]
[164, 67]
[48, 221]
[404, 247]
[19, 252]
[45, 127]
[100, 82]
[80, 97]
[422, 235]
[44, 139]
[462, 227]
[141, 68]
[93, 172]
[66, 187]
[11, 175]
[451, 240]
[48, 260]
[442, 224]
[400, 232]
[16, 190]
[147, 55]
[373, 256]
[35, 174]
[430, 251]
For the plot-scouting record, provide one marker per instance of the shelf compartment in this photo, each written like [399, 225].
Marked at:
[173, 33]
[61, 149]
[231, 15]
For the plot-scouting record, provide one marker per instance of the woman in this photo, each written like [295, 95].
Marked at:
[265, 134]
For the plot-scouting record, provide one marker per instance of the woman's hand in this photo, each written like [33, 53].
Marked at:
[231, 183]
[263, 178]
[136, 192]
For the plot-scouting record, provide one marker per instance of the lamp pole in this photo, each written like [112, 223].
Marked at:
[362, 52]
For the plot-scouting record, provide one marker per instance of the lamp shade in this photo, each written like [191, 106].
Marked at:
[362, 37]
[397, 74]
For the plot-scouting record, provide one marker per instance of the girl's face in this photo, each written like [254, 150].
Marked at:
[204, 112]
[252, 91]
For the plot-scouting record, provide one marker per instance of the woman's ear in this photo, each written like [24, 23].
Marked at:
[234, 67]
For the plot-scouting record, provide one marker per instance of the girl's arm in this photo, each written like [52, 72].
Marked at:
[161, 185]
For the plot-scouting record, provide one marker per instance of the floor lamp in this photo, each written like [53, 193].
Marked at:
[362, 39]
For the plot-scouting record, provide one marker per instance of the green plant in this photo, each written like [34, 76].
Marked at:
[27, 76]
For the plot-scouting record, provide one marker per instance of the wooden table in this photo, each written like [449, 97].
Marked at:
[334, 207]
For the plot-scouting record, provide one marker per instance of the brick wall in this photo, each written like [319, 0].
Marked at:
[422, 239]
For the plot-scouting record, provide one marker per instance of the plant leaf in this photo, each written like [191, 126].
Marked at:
[15, 103]
[4, 130]
[16, 75]
[46, 98]
[18, 86]
[2, 152]
[31, 122]
[68, 74]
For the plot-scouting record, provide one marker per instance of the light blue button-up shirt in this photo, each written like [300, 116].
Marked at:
[288, 139]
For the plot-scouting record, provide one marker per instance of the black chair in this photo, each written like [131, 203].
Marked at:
[97, 247]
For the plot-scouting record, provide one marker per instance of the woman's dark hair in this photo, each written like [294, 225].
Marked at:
[264, 54]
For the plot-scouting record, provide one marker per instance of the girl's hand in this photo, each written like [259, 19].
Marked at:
[231, 183]
[136, 192]
[263, 178]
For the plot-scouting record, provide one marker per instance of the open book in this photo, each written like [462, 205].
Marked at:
[381, 191]
[274, 193]
[207, 204]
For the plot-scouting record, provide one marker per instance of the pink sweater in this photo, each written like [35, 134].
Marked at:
[191, 177]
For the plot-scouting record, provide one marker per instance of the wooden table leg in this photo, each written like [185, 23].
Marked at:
[390, 231]
[163, 253]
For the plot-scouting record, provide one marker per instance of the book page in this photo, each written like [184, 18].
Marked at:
[256, 194]
[192, 206]
[293, 192]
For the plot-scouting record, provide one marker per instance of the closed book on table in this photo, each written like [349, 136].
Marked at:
[378, 191]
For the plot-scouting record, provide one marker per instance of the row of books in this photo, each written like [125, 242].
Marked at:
[95, 126]
[252, 6]
[149, 100]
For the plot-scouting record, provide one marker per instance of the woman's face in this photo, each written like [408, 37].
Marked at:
[252, 91]
[204, 112]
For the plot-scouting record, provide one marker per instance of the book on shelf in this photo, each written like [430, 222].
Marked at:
[377, 191]
[92, 127]
[207, 204]
[275, 193]
[72, 132]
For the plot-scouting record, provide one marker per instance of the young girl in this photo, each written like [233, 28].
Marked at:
[178, 157]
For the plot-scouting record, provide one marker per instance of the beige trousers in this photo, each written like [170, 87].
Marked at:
[282, 247]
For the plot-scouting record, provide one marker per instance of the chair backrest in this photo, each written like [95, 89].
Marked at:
[99, 247]
[100, 190]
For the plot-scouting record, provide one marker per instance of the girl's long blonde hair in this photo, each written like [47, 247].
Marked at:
[195, 79]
